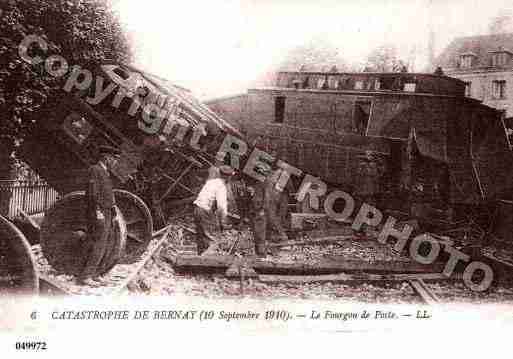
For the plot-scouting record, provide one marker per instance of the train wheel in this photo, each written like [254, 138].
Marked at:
[64, 232]
[17, 266]
[139, 224]
[64, 240]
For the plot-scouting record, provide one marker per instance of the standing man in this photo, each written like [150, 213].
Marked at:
[268, 211]
[276, 206]
[212, 196]
[368, 177]
[100, 212]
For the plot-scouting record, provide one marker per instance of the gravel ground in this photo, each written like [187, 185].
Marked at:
[159, 278]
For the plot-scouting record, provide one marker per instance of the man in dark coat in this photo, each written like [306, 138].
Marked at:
[269, 207]
[100, 212]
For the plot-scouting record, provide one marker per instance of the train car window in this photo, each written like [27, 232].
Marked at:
[361, 116]
[410, 87]
[333, 82]
[279, 109]
[306, 81]
[386, 82]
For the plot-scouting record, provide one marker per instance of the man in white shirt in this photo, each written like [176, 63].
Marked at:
[212, 196]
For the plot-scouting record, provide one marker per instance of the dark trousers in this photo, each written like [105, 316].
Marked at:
[260, 232]
[99, 239]
[276, 213]
[203, 222]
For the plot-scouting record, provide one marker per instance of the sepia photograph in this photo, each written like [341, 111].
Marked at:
[262, 167]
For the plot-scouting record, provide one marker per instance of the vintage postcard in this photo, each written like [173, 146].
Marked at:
[292, 174]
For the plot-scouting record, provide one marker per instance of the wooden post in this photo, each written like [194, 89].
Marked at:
[24, 190]
[45, 206]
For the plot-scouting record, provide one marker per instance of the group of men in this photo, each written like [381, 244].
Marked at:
[265, 207]
[268, 206]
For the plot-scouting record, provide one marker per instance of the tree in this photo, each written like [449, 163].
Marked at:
[385, 59]
[81, 31]
[501, 23]
[316, 55]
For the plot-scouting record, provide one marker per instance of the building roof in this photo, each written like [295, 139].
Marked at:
[481, 46]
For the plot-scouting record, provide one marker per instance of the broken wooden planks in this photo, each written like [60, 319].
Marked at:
[423, 291]
[124, 283]
[324, 266]
[50, 287]
[312, 242]
[345, 277]
[297, 219]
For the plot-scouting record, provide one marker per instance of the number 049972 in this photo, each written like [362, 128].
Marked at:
[30, 345]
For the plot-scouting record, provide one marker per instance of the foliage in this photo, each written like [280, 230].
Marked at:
[384, 59]
[79, 30]
[315, 55]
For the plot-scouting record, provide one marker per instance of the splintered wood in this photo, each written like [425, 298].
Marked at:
[114, 282]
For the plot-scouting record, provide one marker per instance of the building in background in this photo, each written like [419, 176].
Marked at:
[485, 64]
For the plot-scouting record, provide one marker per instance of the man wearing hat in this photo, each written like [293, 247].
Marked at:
[212, 196]
[368, 178]
[267, 210]
[100, 212]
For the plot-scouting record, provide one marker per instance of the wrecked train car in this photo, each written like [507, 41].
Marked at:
[435, 146]
[160, 172]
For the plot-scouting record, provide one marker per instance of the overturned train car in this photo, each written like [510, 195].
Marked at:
[438, 152]
[156, 168]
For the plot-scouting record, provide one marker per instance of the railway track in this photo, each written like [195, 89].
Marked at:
[115, 282]
[417, 281]
[122, 274]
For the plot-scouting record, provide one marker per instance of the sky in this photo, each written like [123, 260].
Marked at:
[219, 47]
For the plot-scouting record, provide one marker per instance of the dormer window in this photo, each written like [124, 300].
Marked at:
[499, 89]
[500, 57]
[467, 60]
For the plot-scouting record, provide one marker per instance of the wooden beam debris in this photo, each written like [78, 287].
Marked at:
[323, 266]
[423, 290]
[312, 242]
[126, 281]
[345, 278]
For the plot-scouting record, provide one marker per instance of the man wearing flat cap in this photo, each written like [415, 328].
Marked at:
[100, 212]
[269, 207]
[212, 196]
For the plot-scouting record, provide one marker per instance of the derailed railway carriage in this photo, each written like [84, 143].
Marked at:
[441, 154]
[152, 174]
